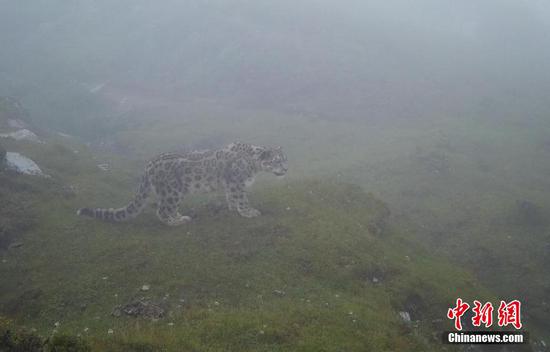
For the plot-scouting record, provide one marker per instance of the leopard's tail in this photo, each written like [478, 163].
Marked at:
[133, 209]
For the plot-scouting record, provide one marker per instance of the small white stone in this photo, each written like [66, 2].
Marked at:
[287, 208]
[104, 167]
[170, 324]
[104, 278]
[262, 332]
[86, 329]
[216, 303]
[375, 280]
[145, 287]
[350, 313]
[337, 295]
[110, 331]
[405, 316]
[56, 324]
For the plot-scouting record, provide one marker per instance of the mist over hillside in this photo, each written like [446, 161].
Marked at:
[335, 60]
[416, 136]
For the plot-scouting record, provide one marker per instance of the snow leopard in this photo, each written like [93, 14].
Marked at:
[171, 176]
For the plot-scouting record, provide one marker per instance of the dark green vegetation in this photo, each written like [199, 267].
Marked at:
[301, 277]
[24, 341]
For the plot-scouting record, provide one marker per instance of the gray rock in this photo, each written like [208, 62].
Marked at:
[405, 316]
[21, 164]
[104, 167]
[140, 308]
[15, 245]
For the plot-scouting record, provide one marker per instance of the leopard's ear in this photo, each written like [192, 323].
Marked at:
[266, 154]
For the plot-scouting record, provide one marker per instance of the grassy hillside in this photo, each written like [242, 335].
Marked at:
[471, 189]
[321, 270]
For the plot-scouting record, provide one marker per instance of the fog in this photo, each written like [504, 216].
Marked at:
[338, 60]
[437, 109]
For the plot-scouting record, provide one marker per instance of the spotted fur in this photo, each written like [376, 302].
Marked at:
[171, 176]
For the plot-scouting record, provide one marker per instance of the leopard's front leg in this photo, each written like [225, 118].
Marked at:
[237, 199]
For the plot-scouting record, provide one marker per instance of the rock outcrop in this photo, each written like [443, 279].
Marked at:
[23, 165]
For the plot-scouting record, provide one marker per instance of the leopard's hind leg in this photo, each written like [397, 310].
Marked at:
[167, 209]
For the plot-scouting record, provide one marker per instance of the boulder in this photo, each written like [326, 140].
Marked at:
[140, 308]
[23, 165]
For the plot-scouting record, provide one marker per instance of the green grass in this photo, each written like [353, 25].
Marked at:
[451, 234]
[320, 241]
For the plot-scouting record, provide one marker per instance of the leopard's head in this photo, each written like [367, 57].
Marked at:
[273, 160]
